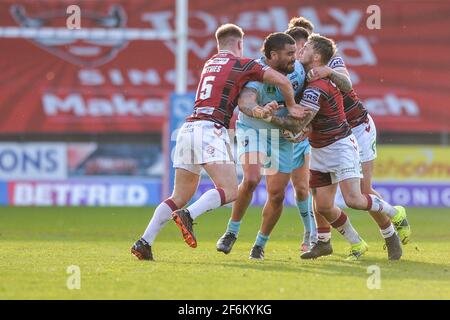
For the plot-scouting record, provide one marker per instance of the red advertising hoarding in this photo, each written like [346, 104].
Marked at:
[401, 70]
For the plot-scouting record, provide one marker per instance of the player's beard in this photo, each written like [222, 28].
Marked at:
[287, 68]
[291, 67]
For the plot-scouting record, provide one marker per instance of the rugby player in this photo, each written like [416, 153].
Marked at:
[203, 141]
[364, 129]
[335, 157]
[260, 144]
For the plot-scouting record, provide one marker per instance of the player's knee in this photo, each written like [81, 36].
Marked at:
[301, 192]
[276, 196]
[354, 201]
[323, 208]
[249, 184]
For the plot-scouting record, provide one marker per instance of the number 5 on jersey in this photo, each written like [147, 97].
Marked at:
[205, 89]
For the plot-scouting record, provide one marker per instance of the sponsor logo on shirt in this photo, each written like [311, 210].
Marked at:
[336, 62]
[311, 95]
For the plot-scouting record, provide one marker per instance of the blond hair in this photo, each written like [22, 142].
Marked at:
[301, 22]
[323, 46]
[228, 31]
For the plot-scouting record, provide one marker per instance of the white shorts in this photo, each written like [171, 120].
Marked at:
[366, 135]
[334, 163]
[201, 142]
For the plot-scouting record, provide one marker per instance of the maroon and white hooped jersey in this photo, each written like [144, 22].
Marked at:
[223, 77]
[330, 124]
[354, 110]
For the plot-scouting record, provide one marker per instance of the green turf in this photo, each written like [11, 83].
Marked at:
[38, 244]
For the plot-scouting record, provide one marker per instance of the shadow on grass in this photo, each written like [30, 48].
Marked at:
[335, 265]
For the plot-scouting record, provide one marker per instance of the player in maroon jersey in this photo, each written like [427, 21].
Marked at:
[364, 129]
[334, 157]
[203, 141]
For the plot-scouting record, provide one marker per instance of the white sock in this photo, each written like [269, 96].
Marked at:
[343, 225]
[162, 215]
[388, 232]
[210, 200]
[323, 234]
[376, 204]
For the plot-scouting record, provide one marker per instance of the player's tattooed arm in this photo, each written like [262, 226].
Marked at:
[247, 101]
[248, 104]
[340, 78]
[293, 124]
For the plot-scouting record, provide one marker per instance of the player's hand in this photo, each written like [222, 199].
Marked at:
[259, 112]
[298, 112]
[318, 73]
[265, 113]
[272, 106]
[307, 131]
[304, 134]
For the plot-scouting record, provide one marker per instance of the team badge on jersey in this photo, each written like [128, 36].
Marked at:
[210, 150]
[271, 90]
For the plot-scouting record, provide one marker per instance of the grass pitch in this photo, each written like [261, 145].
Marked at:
[37, 245]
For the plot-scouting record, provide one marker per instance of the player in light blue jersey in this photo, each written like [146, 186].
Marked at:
[300, 175]
[261, 144]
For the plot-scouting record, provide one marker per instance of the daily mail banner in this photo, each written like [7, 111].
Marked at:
[116, 84]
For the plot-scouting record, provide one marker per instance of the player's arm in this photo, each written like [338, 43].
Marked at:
[248, 104]
[310, 102]
[293, 124]
[340, 76]
[247, 101]
[282, 82]
[341, 79]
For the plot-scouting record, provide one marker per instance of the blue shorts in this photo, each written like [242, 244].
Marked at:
[282, 155]
[300, 150]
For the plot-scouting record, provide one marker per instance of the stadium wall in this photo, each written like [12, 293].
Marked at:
[70, 86]
[93, 113]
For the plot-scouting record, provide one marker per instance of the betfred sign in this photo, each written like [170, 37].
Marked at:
[84, 193]
[33, 161]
